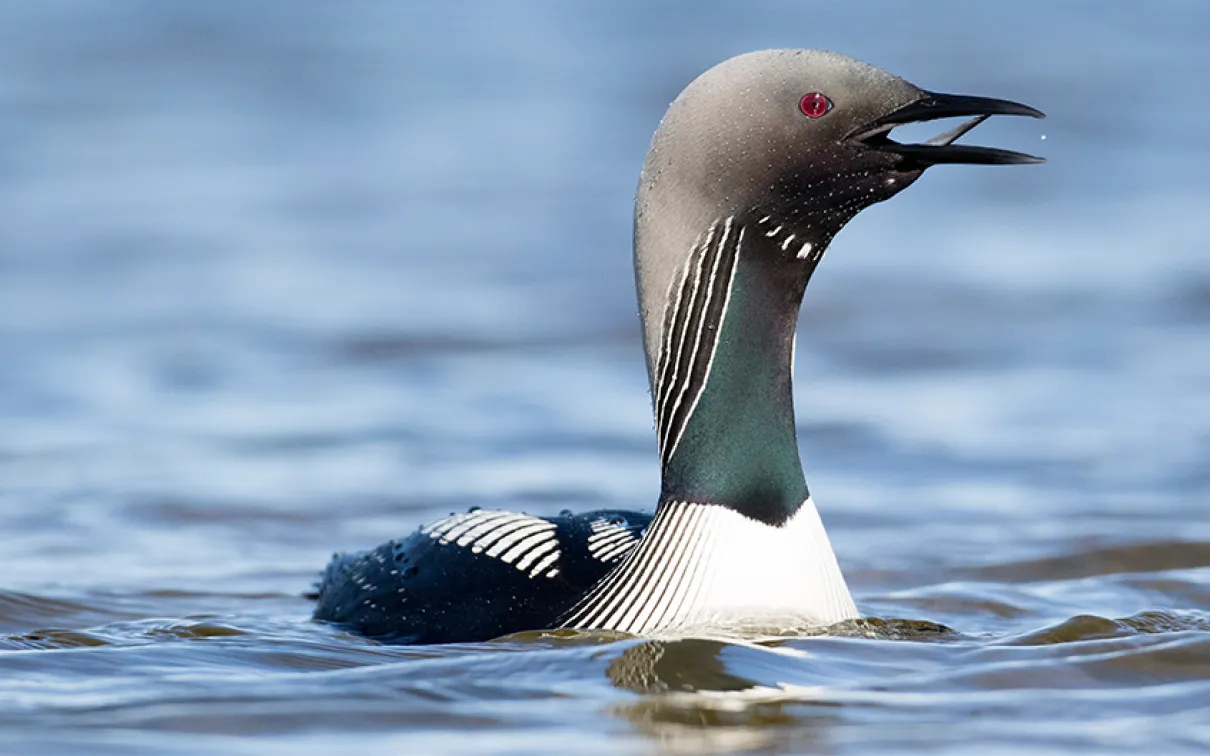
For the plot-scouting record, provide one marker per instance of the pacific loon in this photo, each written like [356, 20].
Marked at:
[755, 167]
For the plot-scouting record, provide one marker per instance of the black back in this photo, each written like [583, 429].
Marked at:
[461, 580]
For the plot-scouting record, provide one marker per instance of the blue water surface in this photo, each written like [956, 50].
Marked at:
[283, 278]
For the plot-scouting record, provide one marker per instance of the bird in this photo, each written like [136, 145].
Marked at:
[756, 165]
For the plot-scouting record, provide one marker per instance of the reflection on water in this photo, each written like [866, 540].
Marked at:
[696, 665]
[700, 693]
[275, 283]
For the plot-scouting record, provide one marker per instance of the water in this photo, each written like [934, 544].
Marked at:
[278, 279]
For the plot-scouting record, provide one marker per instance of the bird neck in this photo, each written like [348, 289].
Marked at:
[721, 379]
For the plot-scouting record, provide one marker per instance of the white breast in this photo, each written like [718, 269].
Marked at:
[704, 567]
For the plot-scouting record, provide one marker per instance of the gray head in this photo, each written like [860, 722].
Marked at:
[800, 135]
[756, 166]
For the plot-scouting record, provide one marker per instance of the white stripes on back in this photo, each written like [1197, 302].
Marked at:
[517, 539]
[610, 540]
[530, 544]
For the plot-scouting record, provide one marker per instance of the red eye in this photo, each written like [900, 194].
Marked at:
[814, 104]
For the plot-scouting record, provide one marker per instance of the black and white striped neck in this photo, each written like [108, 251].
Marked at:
[721, 371]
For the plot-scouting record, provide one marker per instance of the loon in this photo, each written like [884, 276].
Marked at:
[755, 167]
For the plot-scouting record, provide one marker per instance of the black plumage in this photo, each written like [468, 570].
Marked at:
[427, 588]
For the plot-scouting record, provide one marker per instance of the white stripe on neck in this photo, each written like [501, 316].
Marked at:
[705, 567]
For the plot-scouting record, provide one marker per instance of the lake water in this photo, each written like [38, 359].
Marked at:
[283, 278]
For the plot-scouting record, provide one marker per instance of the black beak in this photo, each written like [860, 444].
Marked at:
[941, 148]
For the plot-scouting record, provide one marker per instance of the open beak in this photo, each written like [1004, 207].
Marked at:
[941, 148]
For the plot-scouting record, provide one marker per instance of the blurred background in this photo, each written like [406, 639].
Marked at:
[280, 278]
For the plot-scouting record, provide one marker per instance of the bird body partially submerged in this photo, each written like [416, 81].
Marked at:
[475, 575]
[754, 169]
